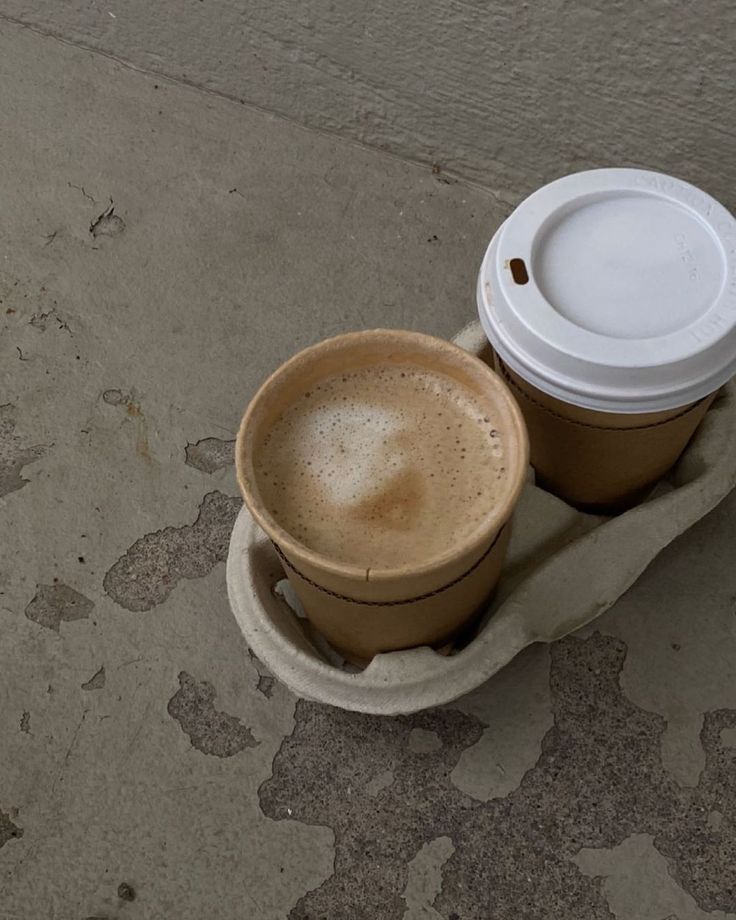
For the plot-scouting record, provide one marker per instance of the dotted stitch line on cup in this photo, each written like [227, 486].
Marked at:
[408, 600]
[569, 421]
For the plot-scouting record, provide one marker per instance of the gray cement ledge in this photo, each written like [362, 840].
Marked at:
[509, 95]
[140, 743]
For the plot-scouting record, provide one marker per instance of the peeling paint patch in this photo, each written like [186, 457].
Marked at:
[210, 454]
[126, 892]
[700, 852]
[598, 781]
[97, 681]
[637, 883]
[8, 830]
[266, 681]
[134, 410]
[42, 321]
[108, 223]
[714, 820]
[210, 731]
[379, 782]
[119, 398]
[55, 604]
[422, 741]
[148, 572]
[325, 773]
[728, 736]
[116, 398]
[13, 457]
[265, 685]
[425, 879]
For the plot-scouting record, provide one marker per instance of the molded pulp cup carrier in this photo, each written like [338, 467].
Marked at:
[365, 611]
[609, 298]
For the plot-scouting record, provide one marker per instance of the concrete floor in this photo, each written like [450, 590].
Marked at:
[509, 94]
[162, 249]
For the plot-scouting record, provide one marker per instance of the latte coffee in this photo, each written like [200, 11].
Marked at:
[384, 466]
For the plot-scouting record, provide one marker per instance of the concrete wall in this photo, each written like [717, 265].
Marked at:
[508, 94]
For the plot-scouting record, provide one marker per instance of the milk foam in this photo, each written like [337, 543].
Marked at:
[346, 448]
[382, 467]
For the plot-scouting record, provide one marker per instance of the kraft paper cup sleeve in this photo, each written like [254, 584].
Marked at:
[564, 568]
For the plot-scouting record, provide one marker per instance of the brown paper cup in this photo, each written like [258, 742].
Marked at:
[363, 611]
[600, 460]
[610, 296]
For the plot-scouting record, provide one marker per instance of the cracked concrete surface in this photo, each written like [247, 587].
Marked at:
[158, 261]
[210, 731]
[13, 457]
[266, 681]
[148, 572]
[637, 884]
[210, 454]
[55, 604]
[8, 830]
[598, 781]
[96, 682]
[683, 618]
[425, 879]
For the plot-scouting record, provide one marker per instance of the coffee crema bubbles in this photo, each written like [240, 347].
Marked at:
[385, 466]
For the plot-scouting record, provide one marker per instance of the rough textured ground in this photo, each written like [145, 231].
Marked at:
[162, 250]
[509, 94]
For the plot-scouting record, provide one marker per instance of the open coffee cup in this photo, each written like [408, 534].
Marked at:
[609, 298]
[385, 466]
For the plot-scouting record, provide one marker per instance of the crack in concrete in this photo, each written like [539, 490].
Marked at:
[97, 681]
[41, 321]
[80, 188]
[69, 750]
[108, 223]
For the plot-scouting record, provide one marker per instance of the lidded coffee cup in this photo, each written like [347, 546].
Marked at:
[609, 299]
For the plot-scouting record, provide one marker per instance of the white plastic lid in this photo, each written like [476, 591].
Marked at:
[615, 289]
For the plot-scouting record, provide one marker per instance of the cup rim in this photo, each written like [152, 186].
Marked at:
[566, 352]
[497, 516]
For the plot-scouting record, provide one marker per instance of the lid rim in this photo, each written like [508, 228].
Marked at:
[608, 372]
